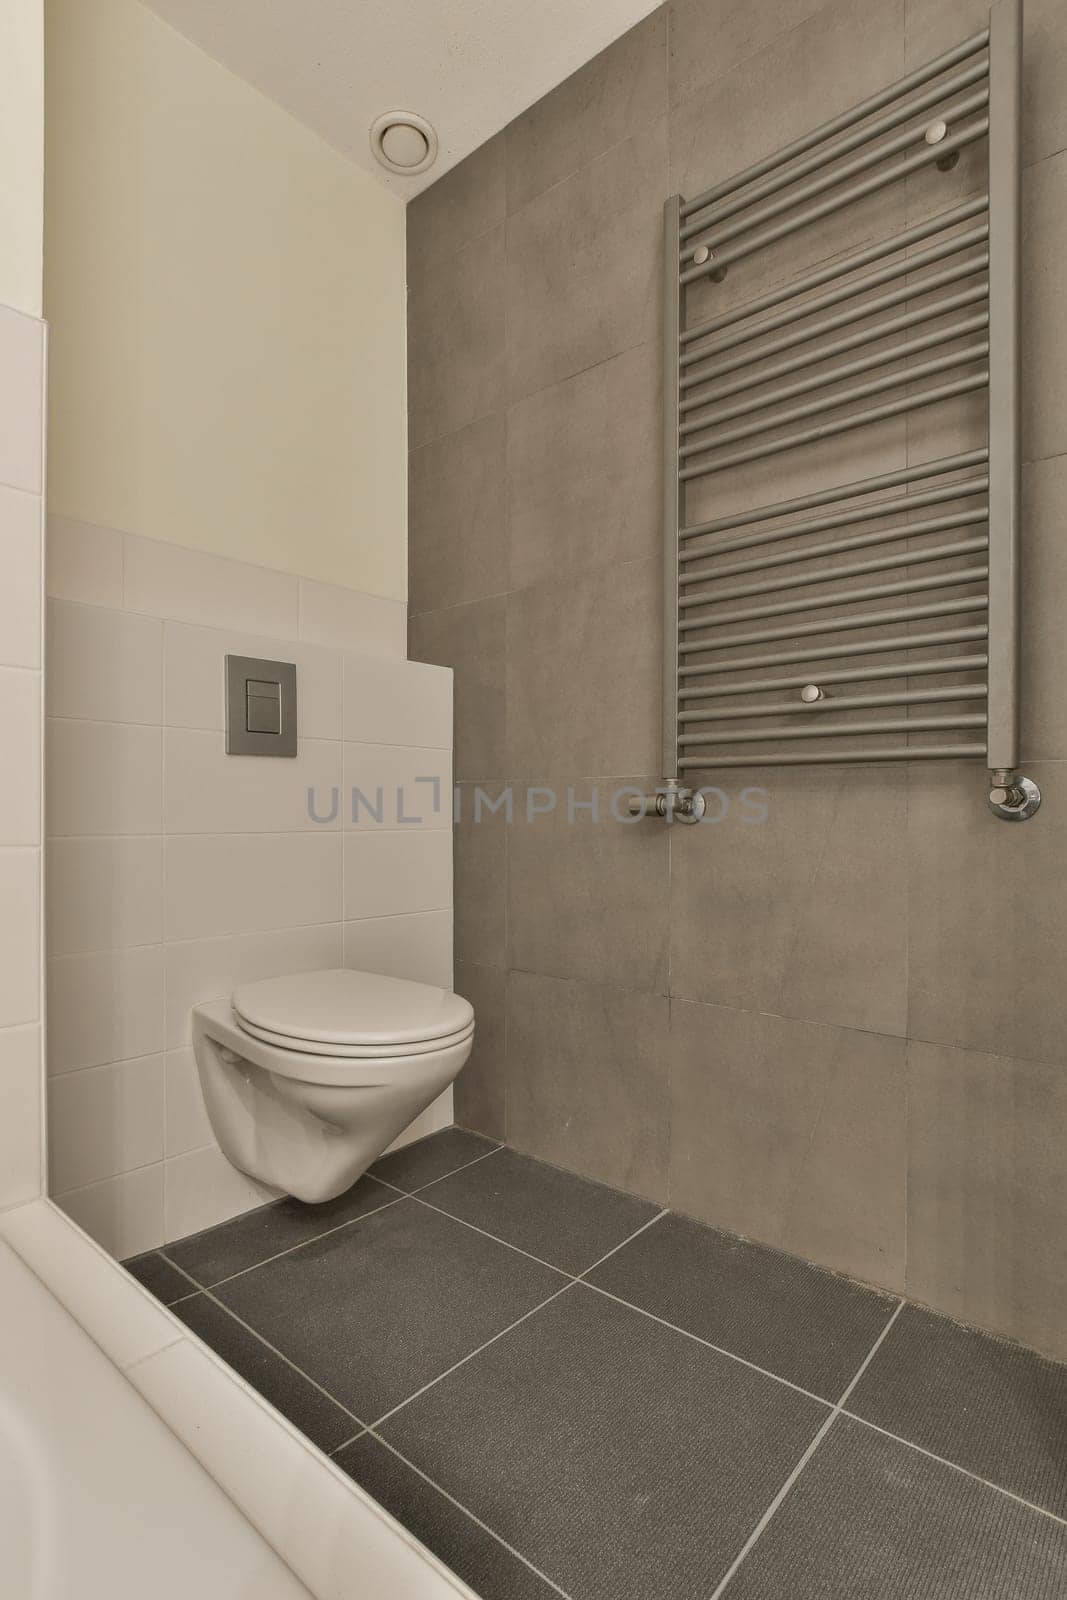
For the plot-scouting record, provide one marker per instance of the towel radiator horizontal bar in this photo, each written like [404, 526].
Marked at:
[845, 491]
[824, 707]
[909, 669]
[975, 73]
[832, 180]
[851, 757]
[848, 119]
[895, 246]
[773, 635]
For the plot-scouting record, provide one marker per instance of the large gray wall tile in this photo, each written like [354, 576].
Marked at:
[804, 913]
[987, 1192]
[470, 640]
[583, 674]
[480, 1089]
[583, 470]
[615, 95]
[457, 549]
[799, 79]
[456, 340]
[587, 1080]
[583, 265]
[588, 898]
[1044, 341]
[793, 1134]
[1043, 703]
[544, 482]
[988, 911]
[458, 208]
[709, 37]
[481, 874]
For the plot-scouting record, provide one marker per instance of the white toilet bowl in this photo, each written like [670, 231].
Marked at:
[307, 1079]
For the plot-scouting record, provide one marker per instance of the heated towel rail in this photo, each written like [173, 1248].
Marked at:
[874, 619]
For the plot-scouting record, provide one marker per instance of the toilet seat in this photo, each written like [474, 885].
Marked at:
[354, 1015]
[351, 1052]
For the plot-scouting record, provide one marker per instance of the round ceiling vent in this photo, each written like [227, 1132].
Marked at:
[404, 142]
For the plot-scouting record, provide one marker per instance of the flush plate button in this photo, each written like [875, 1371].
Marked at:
[260, 707]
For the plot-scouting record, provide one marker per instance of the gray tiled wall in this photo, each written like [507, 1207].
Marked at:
[843, 1032]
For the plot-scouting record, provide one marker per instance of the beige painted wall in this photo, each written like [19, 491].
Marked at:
[21, 154]
[227, 302]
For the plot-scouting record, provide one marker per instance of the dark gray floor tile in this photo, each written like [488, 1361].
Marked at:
[306, 1406]
[159, 1277]
[994, 1408]
[257, 1235]
[772, 1309]
[429, 1159]
[474, 1555]
[623, 1459]
[869, 1519]
[379, 1308]
[564, 1219]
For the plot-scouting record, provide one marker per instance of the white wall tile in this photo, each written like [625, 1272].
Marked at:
[397, 702]
[210, 969]
[20, 597]
[169, 580]
[195, 677]
[105, 1007]
[390, 872]
[116, 1313]
[124, 1215]
[20, 1117]
[104, 664]
[410, 789]
[20, 937]
[351, 620]
[207, 791]
[103, 894]
[186, 1124]
[105, 1121]
[84, 562]
[418, 947]
[21, 400]
[202, 1188]
[20, 785]
[248, 883]
[104, 777]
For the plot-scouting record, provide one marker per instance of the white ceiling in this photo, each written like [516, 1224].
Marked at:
[470, 66]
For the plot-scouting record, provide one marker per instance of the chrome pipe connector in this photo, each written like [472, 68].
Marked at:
[1012, 797]
[673, 803]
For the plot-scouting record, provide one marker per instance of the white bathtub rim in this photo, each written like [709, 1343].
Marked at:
[22, 1227]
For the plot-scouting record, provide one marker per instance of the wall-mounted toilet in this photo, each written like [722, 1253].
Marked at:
[308, 1078]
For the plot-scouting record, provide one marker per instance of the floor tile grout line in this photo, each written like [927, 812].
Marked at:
[719, 1349]
[571, 1281]
[473, 1162]
[541, 1262]
[313, 1239]
[377, 1423]
[768, 1516]
[273, 1350]
[931, 1455]
[401, 1194]
[467, 1512]
[336, 1451]
[581, 1276]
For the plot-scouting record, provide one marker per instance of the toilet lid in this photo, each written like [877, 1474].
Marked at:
[352, 1008]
